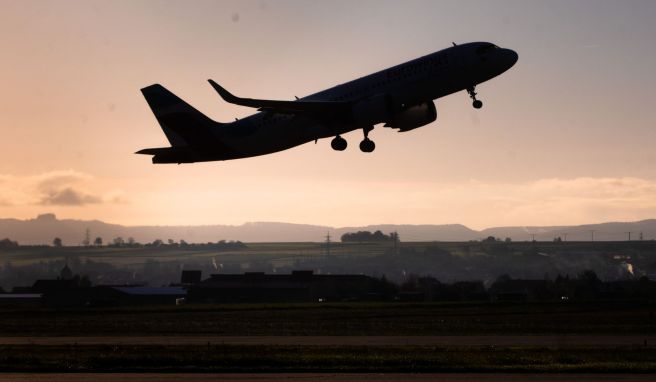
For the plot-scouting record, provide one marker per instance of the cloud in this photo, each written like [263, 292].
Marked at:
[56, 179]
[69, 197]
[55, 188]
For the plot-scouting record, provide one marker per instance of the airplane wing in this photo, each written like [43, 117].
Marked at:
[284, 107]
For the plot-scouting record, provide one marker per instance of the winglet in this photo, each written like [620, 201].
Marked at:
[226, 95]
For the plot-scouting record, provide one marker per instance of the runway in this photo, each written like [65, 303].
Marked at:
[309, 377]
[550, 341]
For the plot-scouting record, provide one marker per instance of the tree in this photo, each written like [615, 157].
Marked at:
[98, 242]
[589, 276]
[57, 242]
[7, 243]
[118, 241]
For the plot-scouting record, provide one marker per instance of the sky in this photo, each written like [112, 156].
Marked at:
[565, 137]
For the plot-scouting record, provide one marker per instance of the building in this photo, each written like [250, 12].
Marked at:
[299, 286]
[521, 290]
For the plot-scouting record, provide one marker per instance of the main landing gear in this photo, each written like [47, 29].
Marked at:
[367, 145]
[338, 143]
[477, 104]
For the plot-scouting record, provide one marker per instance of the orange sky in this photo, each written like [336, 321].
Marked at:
[565, 137]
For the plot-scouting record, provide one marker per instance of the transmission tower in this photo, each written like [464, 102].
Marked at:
[87, 238]
[328, 243]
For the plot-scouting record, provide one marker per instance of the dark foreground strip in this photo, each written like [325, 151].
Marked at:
[379, 359]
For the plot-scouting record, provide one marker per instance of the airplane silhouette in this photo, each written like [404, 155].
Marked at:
[401, 97]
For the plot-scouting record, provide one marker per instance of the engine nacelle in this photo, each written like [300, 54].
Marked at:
[413, 117]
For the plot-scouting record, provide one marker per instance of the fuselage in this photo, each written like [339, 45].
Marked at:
[420, 80]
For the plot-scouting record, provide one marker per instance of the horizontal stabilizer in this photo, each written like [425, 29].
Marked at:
[155, 151]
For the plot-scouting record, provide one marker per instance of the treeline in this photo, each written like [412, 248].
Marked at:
[170, 243]
[584, 287]
[119, 242]
[367, 236]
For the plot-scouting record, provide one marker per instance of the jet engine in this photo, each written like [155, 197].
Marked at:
[413, 117]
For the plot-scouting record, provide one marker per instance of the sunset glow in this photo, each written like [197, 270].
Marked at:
[566, 137]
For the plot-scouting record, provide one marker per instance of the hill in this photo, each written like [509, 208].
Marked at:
[45, 227]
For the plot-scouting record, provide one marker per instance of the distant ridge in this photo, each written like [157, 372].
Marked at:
[45, 227]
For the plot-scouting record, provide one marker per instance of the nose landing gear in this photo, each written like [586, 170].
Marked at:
[338, 143]
[477, 104]
[367, 145]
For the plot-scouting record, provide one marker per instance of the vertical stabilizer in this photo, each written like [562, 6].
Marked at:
[182, 124]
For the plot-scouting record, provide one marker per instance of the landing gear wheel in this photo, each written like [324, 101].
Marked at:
[338, 143]
[477, 104]
[367, 145]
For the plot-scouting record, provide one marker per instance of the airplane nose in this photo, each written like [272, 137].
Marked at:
[512, 57]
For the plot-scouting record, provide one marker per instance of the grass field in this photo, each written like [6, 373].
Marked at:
[337, 319]
[286, 253]
[340, 319]
[226, 358]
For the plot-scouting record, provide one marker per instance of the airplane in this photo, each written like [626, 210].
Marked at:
[401, 97]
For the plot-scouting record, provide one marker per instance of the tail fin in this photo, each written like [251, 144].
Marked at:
[182, 124]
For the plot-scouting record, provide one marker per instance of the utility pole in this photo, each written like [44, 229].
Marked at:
[565, 235]
[628, 233]
[640, 236]
[533, 236]
[328, 243]
[592, 234]
[396, 243]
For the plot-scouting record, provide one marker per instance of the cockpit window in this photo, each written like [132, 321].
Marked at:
[481, 50]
